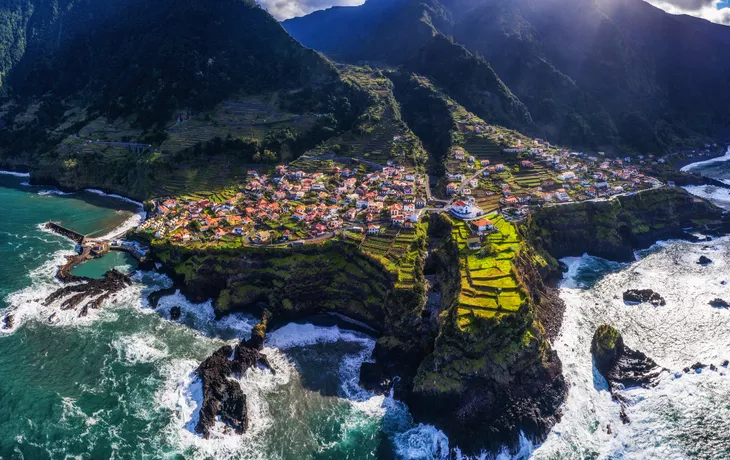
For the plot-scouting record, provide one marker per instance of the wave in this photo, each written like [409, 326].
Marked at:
[698, 164]
[53, 192]
[140, 348]
[717, 195]
[111, 195]
[13, 173]
[683, 406]
[134, 221]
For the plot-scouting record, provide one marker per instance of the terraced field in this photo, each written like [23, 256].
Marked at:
[251, 117]
[483, 148]
[216, 180]
[489, 285]
[398, 252]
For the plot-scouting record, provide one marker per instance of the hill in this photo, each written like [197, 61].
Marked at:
[117, 94]
[598, 73]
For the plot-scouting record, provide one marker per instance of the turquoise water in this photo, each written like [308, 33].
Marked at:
[96, 268]
[119, 384]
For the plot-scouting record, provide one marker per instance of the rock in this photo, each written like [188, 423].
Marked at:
[719, 303]
[608, 429]
[644, 295]
[621, 366]
[98, 289]
[697, 366]
[723, 282]
[374, 378]
[8, 322]
[704, 260]
[175, 313]
[725, 363]
[686, 370]
[713, 367]
[223, 398]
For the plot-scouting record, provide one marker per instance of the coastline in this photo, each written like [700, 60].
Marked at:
[718, 159]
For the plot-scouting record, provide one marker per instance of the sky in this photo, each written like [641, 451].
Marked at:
[713, 10]
[285, 9]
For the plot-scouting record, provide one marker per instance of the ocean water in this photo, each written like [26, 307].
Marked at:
[119, 383]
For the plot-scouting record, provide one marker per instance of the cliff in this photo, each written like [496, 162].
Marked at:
[495, 375]
[614, 229]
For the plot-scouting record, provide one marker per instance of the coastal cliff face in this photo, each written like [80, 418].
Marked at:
[614, 229]
[481, 374]
[485, 384]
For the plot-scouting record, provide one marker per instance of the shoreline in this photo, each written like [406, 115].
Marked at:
[693, 165]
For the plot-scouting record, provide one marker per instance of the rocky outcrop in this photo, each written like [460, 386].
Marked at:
[615, 229]
[97, 290]
[644, 295]
[719, 303]
[175, 313]
[704, 260]
[223, 397]
[621, 366]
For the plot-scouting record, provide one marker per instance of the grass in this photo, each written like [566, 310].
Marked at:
[490, 287]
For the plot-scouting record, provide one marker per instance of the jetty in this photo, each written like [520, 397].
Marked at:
[67, 232]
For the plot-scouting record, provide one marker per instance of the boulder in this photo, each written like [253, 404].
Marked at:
[8, 322]
[175, 313]
[704, 260]
[621, 366]
[223, 397]
[374, 378]
[644, 295]
[719, 303]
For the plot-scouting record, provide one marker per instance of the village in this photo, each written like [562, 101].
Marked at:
[291, 205]
[288, 205]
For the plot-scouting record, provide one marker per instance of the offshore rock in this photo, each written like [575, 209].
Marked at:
[175, 313]
[8, 322]
[644, 295]
[621, 366]
[373, 377]
[704, 260]
[98, 289]
[223, 398]
[719, 303]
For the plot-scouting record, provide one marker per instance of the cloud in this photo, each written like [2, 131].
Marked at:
[713, 10]
[285, 9]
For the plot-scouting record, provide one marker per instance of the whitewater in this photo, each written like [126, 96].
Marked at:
[121, 383]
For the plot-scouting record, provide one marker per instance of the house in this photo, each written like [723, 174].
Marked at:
[474, 182]
[474, 243]
[483, 225]
[397, 220]
[461, 207]
[568, 175]
[262, 237]
[527, 164]
[373, 229]
[562, 195]
[420, 202]
[451, 188]
[459, 154]
[500, 167]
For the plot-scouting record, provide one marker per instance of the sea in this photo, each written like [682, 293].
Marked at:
[119, 383]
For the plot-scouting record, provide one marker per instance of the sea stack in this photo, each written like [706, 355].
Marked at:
[621, 366]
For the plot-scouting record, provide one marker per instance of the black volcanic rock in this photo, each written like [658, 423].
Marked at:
[175, 313]
[621, 366]
[374, 378]
[223, 397]
[8, 322]
[719, 303]
[704, 260]
[644, 295]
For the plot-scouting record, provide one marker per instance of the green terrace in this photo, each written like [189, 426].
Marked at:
[397, 250]
[490, 287]
[217, 179]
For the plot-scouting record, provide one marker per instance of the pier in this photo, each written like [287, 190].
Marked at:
[67, 232]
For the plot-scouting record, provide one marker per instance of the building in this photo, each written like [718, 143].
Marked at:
[483, 225]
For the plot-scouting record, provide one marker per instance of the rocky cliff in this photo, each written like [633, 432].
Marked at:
[614, 229]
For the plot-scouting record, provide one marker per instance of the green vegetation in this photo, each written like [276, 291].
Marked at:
[490, 286]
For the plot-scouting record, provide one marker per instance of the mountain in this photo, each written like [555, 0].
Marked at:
[408, 34]
[595, 73]
[81, 80]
